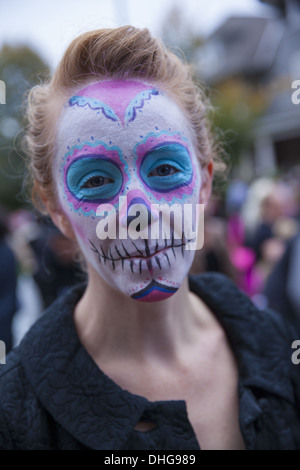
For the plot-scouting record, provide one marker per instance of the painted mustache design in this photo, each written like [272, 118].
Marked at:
[138, 255]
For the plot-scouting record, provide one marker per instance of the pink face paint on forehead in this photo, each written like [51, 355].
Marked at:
[117, 99]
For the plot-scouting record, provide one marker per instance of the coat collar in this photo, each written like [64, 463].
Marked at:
[78, 395]
[70, 386]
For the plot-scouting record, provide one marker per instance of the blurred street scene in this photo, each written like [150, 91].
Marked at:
[252, 224]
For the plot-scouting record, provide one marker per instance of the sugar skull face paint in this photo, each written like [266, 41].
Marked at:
[127, 141]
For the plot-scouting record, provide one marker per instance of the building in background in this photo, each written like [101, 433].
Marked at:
[251, 63]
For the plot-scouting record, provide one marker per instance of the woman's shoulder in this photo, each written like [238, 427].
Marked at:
[25, 390]
[11, 372]
[234, 307]
[25, 422]
[260, 338]
[13, 381]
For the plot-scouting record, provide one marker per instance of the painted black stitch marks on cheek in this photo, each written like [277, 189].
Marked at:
[112, 259]
[149, 265]
[166, 255]
[147, 248]
[126, 252]
[137, 249]
[95, 250]
[138, 256]
[117, 250]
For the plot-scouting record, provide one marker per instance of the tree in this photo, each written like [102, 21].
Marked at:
[237, 100]
[237, 104]
[20, 69]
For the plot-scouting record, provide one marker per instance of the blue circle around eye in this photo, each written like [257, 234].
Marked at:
[168, 154]
[85, 168]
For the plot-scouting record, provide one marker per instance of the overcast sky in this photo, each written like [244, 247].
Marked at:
[49, 25]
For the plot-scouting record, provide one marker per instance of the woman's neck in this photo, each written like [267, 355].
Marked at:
[111, 325]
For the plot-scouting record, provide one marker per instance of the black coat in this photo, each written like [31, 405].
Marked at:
[276, 288]
[53, 396]
[8, 295]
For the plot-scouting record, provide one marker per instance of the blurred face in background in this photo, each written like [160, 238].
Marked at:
[271, 208]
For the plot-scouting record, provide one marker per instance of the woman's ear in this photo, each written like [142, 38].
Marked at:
[206, 184]
[58, 217]
[61, 221]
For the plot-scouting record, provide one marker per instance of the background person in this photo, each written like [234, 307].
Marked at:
[8, 284]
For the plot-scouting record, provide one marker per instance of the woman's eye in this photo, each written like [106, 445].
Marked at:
[163, 170]
[96, 182]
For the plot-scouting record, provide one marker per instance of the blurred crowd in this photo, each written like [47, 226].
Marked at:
[37, 265]
[252, 235]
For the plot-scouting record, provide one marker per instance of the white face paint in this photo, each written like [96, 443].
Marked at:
[127, 139]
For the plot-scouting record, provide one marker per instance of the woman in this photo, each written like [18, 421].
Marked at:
[141, 357]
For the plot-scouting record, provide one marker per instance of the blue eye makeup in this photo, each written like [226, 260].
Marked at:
[94, 179]
[167, 167]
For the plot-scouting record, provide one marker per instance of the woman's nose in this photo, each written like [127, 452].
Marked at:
[138, 207]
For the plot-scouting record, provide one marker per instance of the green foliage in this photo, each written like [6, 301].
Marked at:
[237, 104]
[20, 69]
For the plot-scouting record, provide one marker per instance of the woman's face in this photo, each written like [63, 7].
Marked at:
[122, 143]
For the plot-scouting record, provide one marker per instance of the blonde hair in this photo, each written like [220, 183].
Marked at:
[120, 53]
